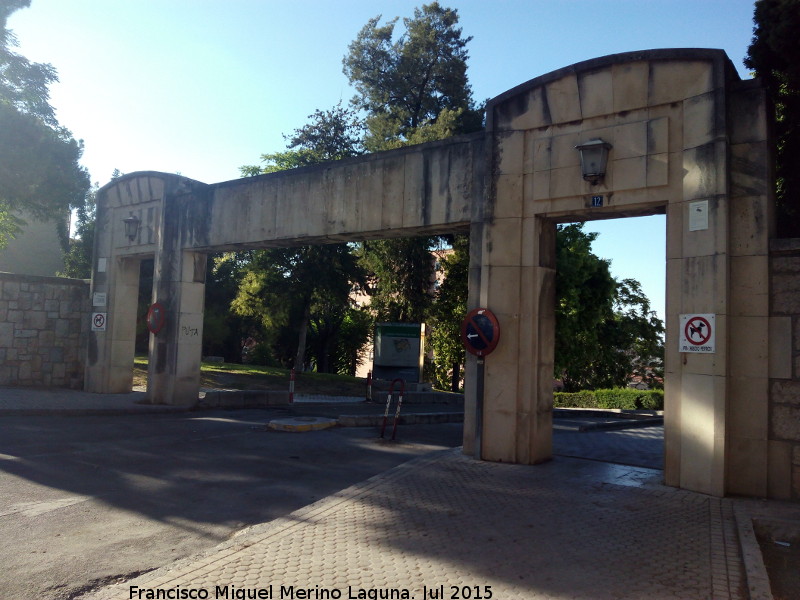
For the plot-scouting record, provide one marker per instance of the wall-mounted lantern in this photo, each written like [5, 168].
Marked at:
[594, 158]
[131, 226]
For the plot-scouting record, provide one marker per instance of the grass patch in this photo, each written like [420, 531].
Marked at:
[233, 376]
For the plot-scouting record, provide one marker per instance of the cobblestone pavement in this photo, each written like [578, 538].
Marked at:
[566, 529]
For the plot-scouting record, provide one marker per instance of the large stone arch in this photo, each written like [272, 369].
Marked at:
[683, 129]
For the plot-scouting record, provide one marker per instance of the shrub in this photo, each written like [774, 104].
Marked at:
[617, 398]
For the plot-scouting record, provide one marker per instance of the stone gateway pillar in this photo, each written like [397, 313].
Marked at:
[156, 201]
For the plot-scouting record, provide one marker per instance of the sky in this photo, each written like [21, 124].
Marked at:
[202, 87]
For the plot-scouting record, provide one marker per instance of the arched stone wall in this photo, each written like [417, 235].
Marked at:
[686, 134]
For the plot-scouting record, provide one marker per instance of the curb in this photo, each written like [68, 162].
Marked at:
[626, 424]
[301, 424]
[92, 412]
[612, 413]
[758, 586]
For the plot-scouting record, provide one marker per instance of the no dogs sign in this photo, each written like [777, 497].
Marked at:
[698, 333]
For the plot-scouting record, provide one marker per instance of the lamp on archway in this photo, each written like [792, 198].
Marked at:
[594, 158]
[131, 226]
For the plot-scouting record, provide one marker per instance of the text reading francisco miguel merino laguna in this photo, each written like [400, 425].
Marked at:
[291, 592]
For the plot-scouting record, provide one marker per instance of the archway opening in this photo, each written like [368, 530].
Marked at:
[611, 280]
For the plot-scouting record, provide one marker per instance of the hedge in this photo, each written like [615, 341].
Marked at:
[622, 398]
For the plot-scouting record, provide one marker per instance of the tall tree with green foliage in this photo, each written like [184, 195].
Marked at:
[409, 82]
[306, 290]
[297, 294]
[78, 258]
[449, 308]
[40, 174]
[774, 55]
[24, 85]
[329, 135]
[225, 330]
[401, 275]
[605, 330]
[414, 88]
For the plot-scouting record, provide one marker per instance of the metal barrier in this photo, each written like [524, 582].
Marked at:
[402, 383]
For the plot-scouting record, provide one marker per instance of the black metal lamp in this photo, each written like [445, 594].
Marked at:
[594, 159]
[131, 226]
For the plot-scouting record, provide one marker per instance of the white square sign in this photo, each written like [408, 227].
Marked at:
[698, 333]
[99, 321]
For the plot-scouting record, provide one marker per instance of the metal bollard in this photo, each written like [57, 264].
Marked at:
[291, 387]
[388, 404]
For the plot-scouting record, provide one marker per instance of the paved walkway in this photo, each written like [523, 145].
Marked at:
[449, 527]
[567, 529]
[22, 401]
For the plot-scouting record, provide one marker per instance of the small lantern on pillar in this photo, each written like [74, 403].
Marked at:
[594, 158]
[131, 226]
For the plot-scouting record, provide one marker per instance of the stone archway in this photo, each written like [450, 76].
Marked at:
[685, 133]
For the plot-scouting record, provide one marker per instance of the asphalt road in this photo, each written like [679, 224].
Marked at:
[87, 500]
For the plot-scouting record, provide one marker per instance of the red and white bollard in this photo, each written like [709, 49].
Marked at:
[291, 387]
[389, 402]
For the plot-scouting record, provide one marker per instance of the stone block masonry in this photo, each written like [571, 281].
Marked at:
[44, 325]
[784, 416]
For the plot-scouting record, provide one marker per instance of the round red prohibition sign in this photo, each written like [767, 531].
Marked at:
[697, 331]
[480, 332]
[99, 320]
[156, 317]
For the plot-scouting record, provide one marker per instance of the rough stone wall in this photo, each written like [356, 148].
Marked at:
[44, 324]
[784, 419]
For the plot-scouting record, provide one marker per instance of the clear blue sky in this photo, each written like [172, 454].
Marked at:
[201, 87]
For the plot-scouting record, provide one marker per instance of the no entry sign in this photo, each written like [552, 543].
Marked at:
[698, 333]
[480, 332]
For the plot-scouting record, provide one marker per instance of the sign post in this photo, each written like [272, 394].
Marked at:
[480, 333]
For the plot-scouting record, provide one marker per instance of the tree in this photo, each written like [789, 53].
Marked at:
[78, 259]
[330, 135]
[605, 330]
[23, 85]
[293, 290]
[306, 290]
[408, 83]
[774, 55]
[225, 330]
[449, 307]
[400, 278]
[40, 174]
[414, 90]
